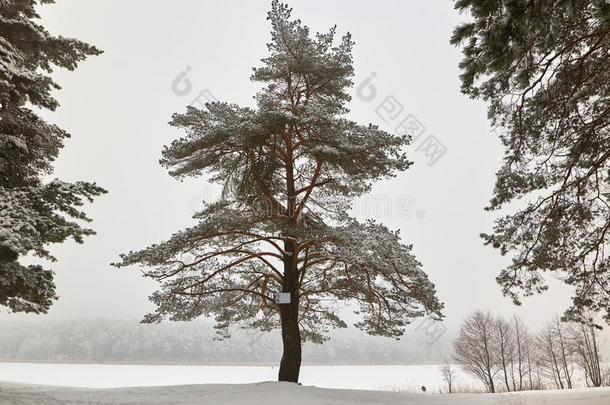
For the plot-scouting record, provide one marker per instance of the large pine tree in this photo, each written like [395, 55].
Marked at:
[544, 68]
[290, 168]
[33, 213]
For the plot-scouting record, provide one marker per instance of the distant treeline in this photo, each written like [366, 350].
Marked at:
[107, 341]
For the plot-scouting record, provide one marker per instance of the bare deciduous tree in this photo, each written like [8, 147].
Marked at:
[520, 367]
[505, 356]
[448, 374]
[504, 345]
[556, 357]
[584, 339]
[528, 357]
[474, 350]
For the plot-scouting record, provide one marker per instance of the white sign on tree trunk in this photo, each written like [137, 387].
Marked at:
[282, 298]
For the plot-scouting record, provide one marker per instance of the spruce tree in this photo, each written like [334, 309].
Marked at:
[289, 168]
[544, 69]
[33, 213]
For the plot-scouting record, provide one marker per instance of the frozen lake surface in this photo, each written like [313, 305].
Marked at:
[364, 377]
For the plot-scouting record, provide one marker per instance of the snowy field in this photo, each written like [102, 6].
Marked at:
[99, 384]
[382, 378]
[278, 394]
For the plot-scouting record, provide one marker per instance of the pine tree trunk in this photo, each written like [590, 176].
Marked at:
[291, 338]
[290, 364]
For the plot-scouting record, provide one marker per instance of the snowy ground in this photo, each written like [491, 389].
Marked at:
[276, 394]
[98, 384]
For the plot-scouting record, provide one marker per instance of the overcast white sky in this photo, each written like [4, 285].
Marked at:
[117, 107]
